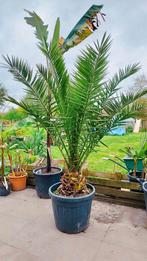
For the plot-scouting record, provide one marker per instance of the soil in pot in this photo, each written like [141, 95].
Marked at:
[18, 181]
[44, 180]
[71, 213]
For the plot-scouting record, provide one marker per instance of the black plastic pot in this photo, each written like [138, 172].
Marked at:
[44, 180]
[136, 178]
[4, 191]
[144, 187]
[71, 213]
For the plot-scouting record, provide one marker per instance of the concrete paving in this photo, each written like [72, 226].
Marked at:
[28, 232]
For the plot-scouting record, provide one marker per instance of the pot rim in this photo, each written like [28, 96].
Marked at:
[130, 158]
[16, 177]
[71, 198]
[59, 170]
[143, 186]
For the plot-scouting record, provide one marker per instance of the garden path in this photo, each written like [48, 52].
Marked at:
[28, 233]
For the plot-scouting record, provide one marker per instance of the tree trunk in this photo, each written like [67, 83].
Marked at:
[48, 152]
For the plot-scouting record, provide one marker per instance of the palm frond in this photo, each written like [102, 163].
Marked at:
[35, 87]
[3, 93]
[41, 30]
[19, 68]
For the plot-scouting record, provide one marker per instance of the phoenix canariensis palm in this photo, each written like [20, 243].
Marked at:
[84, 107]
[39, 102]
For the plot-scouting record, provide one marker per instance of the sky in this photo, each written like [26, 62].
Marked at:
[125, 21]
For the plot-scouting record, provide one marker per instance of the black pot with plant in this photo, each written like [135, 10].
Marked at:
[38, 102]
[86, 113]
[135, 160]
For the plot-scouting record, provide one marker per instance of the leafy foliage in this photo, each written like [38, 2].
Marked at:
[77, 111]
[33, 145]
[141, 152]
[15, 115]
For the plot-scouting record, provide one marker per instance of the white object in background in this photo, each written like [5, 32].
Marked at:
[137, 126]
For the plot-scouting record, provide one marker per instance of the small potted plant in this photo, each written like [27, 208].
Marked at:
[18, 175]
[135, 160]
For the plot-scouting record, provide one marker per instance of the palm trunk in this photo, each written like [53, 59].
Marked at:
[48, 134]
[48, 152]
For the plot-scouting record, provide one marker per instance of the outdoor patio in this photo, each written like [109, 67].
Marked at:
[27, 232]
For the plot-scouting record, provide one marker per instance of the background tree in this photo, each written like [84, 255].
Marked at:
[140, 82]
[15, 114]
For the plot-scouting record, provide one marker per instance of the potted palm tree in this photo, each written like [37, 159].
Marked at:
[84, 109]
[39, 103]
[88, 107]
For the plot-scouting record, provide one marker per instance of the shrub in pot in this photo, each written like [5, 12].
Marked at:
[18, 174]
[135, 160]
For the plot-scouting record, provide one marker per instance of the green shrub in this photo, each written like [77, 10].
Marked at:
[129, 129]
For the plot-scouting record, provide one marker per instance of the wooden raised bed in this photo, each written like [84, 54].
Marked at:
[110, 187]
[118, 191]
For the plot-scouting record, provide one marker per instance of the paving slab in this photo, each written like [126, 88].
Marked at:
[28, 232]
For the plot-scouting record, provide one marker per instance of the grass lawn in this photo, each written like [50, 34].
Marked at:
[96, 160]
[114, 143]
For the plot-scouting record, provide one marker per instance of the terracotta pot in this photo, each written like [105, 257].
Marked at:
[18, 182]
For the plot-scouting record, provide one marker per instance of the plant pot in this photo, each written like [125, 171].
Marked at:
[144, 187]
[18, 182]
[45, 180]
[4, 191]
[71, 213]
[136, 178]
[130, 164]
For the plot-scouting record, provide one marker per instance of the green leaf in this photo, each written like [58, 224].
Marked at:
[56, 35]
[41, 30]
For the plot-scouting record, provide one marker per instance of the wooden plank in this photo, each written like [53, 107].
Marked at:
[114, 183]
[117, 193]
[114, 176]
[120, 201]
